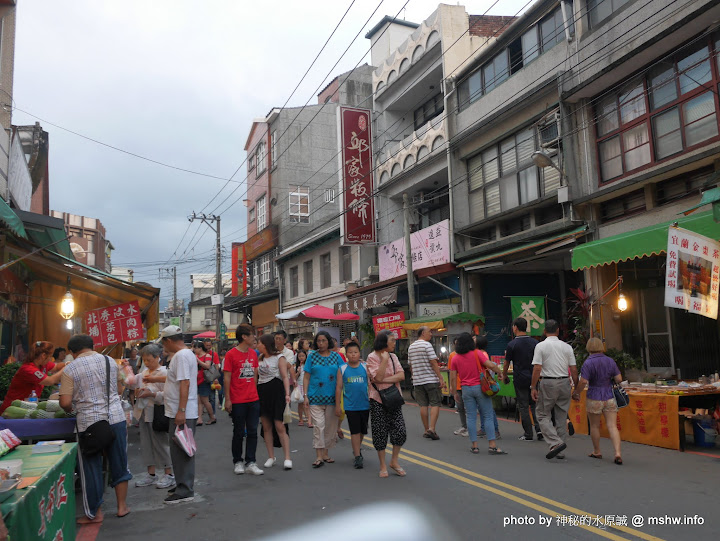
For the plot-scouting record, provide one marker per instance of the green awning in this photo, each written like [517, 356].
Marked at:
[11, 220]
[440, 321]
[55, 239]
[644, 242]
[527, 246]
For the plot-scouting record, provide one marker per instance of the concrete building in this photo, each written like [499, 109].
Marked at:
[88, 240]
[293, 256]
[201, 315]
[7, 70]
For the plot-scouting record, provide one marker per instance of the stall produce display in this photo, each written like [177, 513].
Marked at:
[21, 409]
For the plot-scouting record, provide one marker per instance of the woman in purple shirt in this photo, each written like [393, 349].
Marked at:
[599, 372]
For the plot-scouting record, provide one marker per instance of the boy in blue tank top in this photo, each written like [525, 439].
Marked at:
[352, 387]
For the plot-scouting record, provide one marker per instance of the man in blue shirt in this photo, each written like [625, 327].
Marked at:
[352, 388]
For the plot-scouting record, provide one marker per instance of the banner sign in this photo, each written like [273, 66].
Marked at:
[692, 272]
[114, 324]
[371, 300]
[430, 247]
[533, 310]
[390, 322]
[431, 309]
[358, 186]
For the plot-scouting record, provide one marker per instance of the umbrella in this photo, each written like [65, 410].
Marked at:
[316, 313]
[441, 321]
[206, 334]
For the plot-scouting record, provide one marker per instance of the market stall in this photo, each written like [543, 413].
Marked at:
[42, 506]
[653, 416]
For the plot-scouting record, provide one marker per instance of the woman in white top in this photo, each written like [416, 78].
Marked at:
[148, 385]
[274, 393]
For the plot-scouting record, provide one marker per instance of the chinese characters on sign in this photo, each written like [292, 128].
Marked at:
[390, 322]
[532, 309]
[430, 247]
[371, 300]
[358, 186]
[115, 324]
[692, 272]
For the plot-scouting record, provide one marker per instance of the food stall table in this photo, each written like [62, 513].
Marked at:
[32, 430]
[651, 418]
[46, 506]
[507, 394]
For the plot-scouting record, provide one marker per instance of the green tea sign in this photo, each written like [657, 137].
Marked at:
[531, 309]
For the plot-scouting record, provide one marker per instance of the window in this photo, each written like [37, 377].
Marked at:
[260, 213]
[429, 110]
[669, 191]
[536, 40]
[251, 161]
[265, 273]
[261, 157]
[251, 215]
[503, 176]
[632, 203]
[299, 205]
[659, 116]
[345, 264]
[330, 195]
[273, 149]
[308, 276]
[234, 318]
[293, 282]
[210, 314]
[325, 269]
[600, 10]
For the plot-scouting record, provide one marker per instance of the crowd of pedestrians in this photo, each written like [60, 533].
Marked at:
[171, 387]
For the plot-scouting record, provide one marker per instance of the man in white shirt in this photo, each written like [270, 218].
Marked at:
[180, 398]
[426, 379]
[552, 361]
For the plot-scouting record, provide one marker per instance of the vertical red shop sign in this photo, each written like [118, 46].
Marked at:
[115, 324]
[239, 269]
[358, 186]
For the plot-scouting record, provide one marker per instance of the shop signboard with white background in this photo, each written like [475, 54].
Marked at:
[429, 309]
[430, 247]
[692, 272]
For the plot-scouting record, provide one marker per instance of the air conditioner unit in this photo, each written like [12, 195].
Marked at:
[548, 130]
[373, 270]
[207, 322]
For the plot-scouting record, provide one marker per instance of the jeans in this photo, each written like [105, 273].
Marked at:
[183, 465]
[476, 401]
[461, 408]
[526, 405]
[245, 418]
[91, 473]
[495, 423]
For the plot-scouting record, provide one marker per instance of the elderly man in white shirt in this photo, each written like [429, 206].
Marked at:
[553, 365]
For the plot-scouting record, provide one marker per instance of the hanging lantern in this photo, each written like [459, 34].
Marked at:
[67, 304]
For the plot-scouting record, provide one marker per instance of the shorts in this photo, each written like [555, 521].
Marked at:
[272, 399]
[429, 394]
[358, 421]
[599, 406]
[204, 389]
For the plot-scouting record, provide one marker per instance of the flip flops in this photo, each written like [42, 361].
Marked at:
[398, 471]
[593, 455]
[555, 450]
[618, 461]
[318, 464]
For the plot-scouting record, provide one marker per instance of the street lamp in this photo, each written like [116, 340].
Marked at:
[543, 160]
[622, 303]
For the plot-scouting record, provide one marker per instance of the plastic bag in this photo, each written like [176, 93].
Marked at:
[184, 439]
[287, 415]
[296, 396]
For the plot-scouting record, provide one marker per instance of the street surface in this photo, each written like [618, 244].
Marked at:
[463, 496]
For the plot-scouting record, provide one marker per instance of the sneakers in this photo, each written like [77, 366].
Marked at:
[525, 438]
[358, 464]
[481, 433]
[166, 481]
[145, 480]
[497, 435]
[432, 435]
[176, 498]
[462, 431]
[270, 462]
[253, 469]
[540, 437]
[239, 468]
[287, 464]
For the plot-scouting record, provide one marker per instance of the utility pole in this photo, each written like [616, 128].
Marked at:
[408, 258]
[165, 274]
[209, 220]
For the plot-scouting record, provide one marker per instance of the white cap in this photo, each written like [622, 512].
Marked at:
[171, 330]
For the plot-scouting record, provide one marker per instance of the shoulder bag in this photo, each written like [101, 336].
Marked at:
[489, 385]
[621, 397]
[98, 436]
[212, 373]
[391, 398]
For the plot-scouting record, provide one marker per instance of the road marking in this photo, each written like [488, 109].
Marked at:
[408, 455]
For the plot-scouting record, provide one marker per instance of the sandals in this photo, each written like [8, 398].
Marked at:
[398, 470]
[328, 460]
[301, 423]
[496, 451]
[593, 455]
[383, 474]
[474, 450]
[309, 425]
[318, 463]
[212, 422]
[618, 461]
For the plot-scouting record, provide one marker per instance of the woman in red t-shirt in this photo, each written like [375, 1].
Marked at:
[33, 374]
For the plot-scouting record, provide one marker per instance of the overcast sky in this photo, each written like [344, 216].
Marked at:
[179, 82]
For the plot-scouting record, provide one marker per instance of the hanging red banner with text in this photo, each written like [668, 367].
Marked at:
[692, 272]
[358, 186]
[115, 324]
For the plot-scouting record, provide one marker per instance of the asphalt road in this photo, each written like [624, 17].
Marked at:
[451, 493]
